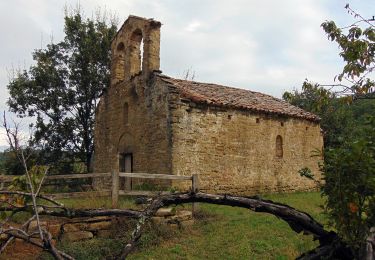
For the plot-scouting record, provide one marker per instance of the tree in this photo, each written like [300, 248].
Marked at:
[337, 120]
[349, 162]
[62, 89]
[357, 48]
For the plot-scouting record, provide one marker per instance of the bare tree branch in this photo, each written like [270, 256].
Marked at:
[299, 221]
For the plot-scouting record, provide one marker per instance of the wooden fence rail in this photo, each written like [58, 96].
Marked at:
[115, 190]
[9, 178]
[116, 180]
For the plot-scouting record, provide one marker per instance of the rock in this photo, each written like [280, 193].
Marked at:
[174, 226]
[164, 212]
[34, 226]
[158, 220]
[72, 227]
[184, 215]
[103, 225]
[77, 236]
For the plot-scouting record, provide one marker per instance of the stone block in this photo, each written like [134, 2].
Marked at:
[76, 236]
[164, 212]
[174, 226]
[184, 215]
[34, 226]
[72, 227]
[158, 220]
[103, 225]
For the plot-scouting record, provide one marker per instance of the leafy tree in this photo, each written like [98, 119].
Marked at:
[312, 98]
[349, 156]
[357, 48]
[62, 89]
[349, 174]
[336, 116]
[11, 164]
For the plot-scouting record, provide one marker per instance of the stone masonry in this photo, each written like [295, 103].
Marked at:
[237, 141]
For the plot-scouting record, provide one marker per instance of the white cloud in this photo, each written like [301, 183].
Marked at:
[193, 26]
[269, 46]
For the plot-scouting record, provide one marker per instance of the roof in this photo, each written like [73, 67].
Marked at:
[235, 98]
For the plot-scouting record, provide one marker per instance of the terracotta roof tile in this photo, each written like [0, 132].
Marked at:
[217, 95]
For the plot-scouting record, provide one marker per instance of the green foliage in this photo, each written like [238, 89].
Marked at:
[349, 131]
[62, 89]
[348, 169]
[339, 120]
[11, 164]
[349, 174]
[357, 48]
[312, 98]
[306, 172]
[20, 183]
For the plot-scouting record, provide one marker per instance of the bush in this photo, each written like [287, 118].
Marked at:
[349, 175]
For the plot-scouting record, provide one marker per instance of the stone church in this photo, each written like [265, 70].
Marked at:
[237, 141]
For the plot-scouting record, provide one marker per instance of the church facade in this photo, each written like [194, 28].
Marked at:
[237, 141]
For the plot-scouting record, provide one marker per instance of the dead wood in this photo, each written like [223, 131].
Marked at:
[45, 245]
[299, 221]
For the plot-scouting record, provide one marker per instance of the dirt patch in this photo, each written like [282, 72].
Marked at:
[20, 250]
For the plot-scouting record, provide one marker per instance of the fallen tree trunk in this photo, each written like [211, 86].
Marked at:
[299, 221]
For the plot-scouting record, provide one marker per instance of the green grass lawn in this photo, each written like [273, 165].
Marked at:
[221, 232]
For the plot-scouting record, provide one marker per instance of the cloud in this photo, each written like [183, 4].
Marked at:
[193, 26]
[269, 46]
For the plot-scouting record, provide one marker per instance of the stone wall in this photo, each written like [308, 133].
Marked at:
[235, 151]
[144, 133]
[132, 114]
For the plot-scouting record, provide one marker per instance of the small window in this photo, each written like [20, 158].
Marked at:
[126, 113]
[120, 47]
[282, 123]
[257, 120]
[279, 146]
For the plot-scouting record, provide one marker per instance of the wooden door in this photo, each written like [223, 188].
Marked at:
[125, 165]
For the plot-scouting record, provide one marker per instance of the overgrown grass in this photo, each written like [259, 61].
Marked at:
[220, 232]
[98, 202]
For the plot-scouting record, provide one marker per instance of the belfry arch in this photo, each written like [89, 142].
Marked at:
[136, 49]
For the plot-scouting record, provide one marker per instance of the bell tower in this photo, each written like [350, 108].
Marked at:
[135, 49]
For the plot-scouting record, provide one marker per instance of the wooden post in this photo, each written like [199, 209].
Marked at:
[195, 189]
[115, 188]
[195, 183]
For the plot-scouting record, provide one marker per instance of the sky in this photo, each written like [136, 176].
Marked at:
[269, 46]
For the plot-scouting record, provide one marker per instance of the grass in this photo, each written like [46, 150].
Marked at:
[98, 202]
[221, 232]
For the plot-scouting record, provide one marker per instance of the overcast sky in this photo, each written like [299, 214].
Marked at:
[269, 46]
